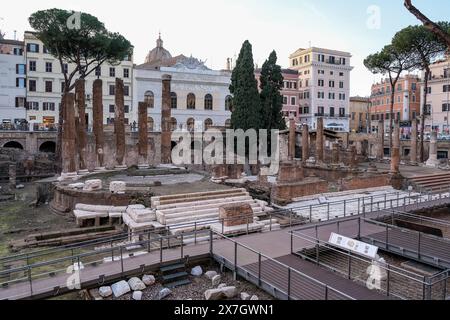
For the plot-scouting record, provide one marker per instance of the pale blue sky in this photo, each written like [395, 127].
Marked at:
[213, 30]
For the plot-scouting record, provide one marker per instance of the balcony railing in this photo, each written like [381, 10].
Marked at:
[327, 115]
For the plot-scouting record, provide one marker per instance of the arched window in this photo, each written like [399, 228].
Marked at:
[173, 124]
[150, 123]
[13, 145]
[48, 147]
[208, 102]
[228, 123]
[228, 103]
[208, 124]
[173, 100]
[190, 124]
[190, 101]
[149, 99]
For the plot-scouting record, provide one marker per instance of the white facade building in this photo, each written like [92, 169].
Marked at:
[324, 86]
[200, 97]
[12, 82]
[45, 79]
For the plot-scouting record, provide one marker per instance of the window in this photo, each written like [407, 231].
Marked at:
[293, 102]
[48, 86]
[295, 85]
[149, 99]
[428, 90]
[126, 73]
[112, 72]
[31, 105]
[341, 84]
[446, 88]
[341, 96]
[110, 121]
[150, 123]
[32, 66]
[285, 100]
[112, 89]
[332, 60]
[399, 99]
[306, 110]
[20, 83]
[98, 71]
[341, 74]
[112, 108]
[341, 112]
[17, 51]
[173, 100]
[331, 95]
[208, 102]
[20, 69]
[65, 68]
[445, 107]
[32, 85]
[20, 102]
[208, 124]
[44, 49]
[126, 91]
[321, 58]
[331, 73]
[228, 103]
[321, 95]
[320, 111]
[321, 71]
[48, 106]
[190, 124]
[414, 87]
[321, 83]
[307, 58]
[62, 87]
[331, 84]
[48, 67]
[399, 87]
[32, 47]
[126, 109]
[331, 111]
[190, 101]
[173, 124]
[413, 98]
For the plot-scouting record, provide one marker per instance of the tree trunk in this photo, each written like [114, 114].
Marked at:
[422, 118]
[391, 119]
[430, 25]
[58, 155]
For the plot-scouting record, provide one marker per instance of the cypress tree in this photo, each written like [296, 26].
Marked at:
[247, 113]
[271, 82]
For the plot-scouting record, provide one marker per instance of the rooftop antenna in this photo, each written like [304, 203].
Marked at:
[309, 44]
[15, 32]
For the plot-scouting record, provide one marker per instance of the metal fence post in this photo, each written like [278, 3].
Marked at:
[247, 225]
[195, 232]
[121, 259]
[210, 242]
[310, 213]
[235, 260]
[371, 203]
[223, 225]
[292, 242]
[345, 207]
[328, 211]
[259, 269]
[160, 249]
[385, 200]
[349, 266]
[326, 292]
[289, 284]
[418, 245]
[387, 237]
[359, 203]
[149, 241]
[182, 246]
[30, 280]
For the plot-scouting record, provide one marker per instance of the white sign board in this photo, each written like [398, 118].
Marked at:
[358, 247]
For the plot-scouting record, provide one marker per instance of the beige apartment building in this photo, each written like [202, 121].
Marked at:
[359, 114]
[438, 98]
[45, 81]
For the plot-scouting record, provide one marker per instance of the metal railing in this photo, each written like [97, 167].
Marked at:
[278, 278]
[393, 282]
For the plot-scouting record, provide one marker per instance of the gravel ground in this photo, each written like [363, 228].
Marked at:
[195, 290]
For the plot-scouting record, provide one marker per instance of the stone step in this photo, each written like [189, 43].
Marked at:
[174, 202]
[426, 178]
[202, 217]
[201, 208]
[182, 206]
[195, 194]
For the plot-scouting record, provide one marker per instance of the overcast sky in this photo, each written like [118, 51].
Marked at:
[213, 30]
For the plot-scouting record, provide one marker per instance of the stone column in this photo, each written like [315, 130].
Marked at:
[98, 122]
[143, 135]
[395, 158]
[319, 140]
[353, 154]
[380, 149]
[292, 139]
[166, 133]
[119, 123]
[432, 159]
[305, 143]
[81, 124]
[413, 151]
[68, 134]
[12, 176]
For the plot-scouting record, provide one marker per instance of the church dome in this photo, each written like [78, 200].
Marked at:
[158, 54]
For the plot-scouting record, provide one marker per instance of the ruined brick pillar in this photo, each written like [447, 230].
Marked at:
[292, 138]
[353, 154]
[98, 121]
[166, 145]
[305, 143]
[68, 134]
[432, 159]
[380, 148]
[335, 153]
[119, 122]
[319, 140]
[143, 134]
[395, 158]
[81, 123]
[413, 151]
[12, 176]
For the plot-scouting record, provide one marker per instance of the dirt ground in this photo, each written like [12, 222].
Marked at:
[20, 218]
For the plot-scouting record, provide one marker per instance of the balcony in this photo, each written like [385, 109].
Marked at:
[333, 116]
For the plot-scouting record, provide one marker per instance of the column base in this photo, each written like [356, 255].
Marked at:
[120, 167]
[143, 166]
